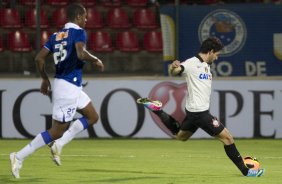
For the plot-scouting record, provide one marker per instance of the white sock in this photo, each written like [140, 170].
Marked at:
[35, 144]
[73, 130]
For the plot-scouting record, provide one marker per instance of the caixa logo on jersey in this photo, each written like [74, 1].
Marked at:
[227, 26]
[205, 76]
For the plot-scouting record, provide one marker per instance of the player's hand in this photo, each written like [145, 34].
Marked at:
[175, 64]
[45, 87]
[174, 68]
[100, 65]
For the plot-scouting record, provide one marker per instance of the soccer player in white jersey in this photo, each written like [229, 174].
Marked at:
[68, 47]
[196, 71]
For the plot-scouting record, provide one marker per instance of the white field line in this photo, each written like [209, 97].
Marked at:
[81, 155]
[134, 156]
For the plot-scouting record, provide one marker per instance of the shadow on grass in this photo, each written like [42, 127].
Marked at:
[7, 179]
[123, 179]
[120, 178]
[116, 171]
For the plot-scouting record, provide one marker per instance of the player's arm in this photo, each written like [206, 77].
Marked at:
[83, 54]
[40, 63]
[175, 68]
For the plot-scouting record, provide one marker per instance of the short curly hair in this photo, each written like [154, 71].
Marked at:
[211, 43]
[73, 10]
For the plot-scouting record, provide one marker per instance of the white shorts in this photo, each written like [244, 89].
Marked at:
[67, 98]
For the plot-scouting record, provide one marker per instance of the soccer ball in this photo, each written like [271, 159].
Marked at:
[251, 162]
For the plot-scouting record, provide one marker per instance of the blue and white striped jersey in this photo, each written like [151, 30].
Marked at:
[62, 45]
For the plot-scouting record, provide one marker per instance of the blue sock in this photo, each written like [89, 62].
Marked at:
[46, 137]
[84, 122]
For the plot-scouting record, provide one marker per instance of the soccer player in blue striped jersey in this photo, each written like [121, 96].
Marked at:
[68, 47]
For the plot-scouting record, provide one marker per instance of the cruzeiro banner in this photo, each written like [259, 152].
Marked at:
[252, 35]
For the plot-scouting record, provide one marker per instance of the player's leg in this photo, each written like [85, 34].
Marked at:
[39, 141]
[184, 135]
[168, 121]
[90, 116]
[90, 113]
[155, 106]
[215, 128]
[188, 128]
[58, 131]
[230, 149]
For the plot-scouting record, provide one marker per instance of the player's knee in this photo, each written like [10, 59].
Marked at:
[55, 134]
[93, 119]
[227, 140]
[96, 118]
[225, 137]
[183, 135]
[181, 138]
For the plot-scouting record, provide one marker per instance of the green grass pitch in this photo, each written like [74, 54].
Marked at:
[143, 161]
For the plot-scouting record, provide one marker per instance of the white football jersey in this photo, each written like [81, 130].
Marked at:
[199, 78]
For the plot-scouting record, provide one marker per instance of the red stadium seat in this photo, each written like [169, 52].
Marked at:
[137, 3]
[144, 18]
[153, 41]
[111, 3]
[118, 18]
[29, 2]
[1, 44]
[30, 19]
[58, 2]
[88, 3]
[59, 18]
[18, 41]
[94, 19]
[44, 37]
[127, 41]
[4, 2]
[10, 18]
[100, 42]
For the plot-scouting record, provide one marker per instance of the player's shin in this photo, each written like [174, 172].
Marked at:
[236, 158]
[39, 141]
[77, 126]
[168, 121]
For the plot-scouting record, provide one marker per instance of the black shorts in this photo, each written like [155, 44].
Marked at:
[203, 120]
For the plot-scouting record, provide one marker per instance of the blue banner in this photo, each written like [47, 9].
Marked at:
[252, 35]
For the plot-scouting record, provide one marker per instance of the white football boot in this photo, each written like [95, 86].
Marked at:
[16, 165]
[56, 151]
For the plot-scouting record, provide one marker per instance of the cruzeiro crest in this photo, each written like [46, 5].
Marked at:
[228, 27]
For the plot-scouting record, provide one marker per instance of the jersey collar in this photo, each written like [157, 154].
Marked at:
[199, 57]
[71, 25]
